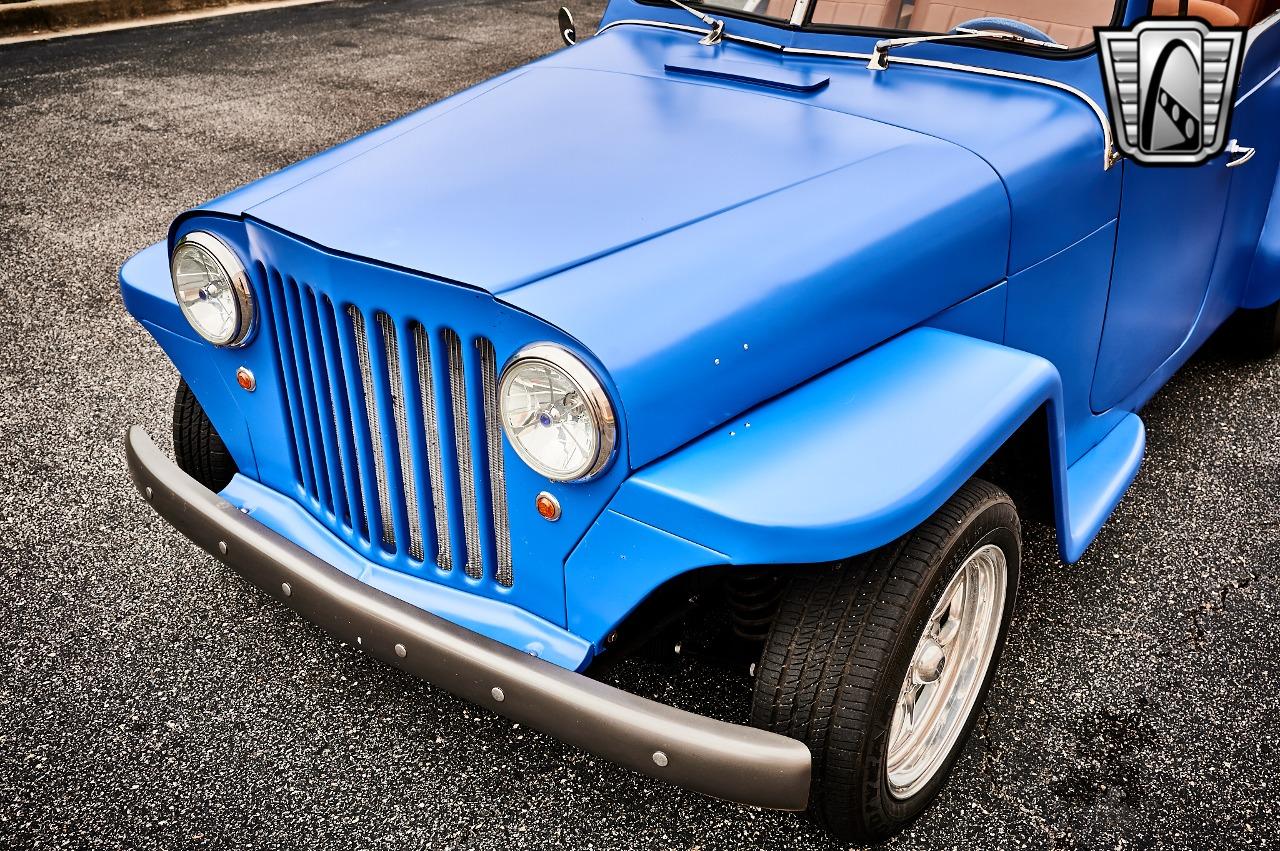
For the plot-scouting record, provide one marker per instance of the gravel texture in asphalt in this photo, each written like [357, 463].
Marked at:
[150, 699]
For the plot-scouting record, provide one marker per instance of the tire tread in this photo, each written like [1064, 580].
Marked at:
[197, 447]
[834, 635]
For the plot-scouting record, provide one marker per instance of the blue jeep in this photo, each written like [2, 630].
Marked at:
[785, 309]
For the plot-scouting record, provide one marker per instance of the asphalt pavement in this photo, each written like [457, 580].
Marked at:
[151, 700]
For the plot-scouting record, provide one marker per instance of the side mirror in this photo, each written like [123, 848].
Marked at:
[568, 32]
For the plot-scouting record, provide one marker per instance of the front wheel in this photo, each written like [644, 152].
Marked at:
[197, 447]
[880, 665]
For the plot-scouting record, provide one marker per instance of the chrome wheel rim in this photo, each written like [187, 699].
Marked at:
[946, 672]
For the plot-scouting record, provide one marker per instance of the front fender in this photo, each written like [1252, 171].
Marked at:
[840, 466]
[851, 460]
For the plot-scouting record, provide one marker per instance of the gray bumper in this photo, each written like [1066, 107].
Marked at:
[726, 761]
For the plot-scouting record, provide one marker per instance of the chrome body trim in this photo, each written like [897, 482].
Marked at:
[1242, 154]
[715, 34]
[1110, 155]
[880, 57]
[593, 393]
[246, 316]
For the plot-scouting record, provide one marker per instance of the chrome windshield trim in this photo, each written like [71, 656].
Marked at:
[799, 12]
[1110, 156]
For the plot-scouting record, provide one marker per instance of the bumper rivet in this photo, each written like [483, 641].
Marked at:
[286, 588]
[497, 694]
[148, 492]
[222, 547]
[660, 759]
[400, 651]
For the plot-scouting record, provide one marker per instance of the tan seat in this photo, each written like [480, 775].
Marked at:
[855, 13]
[849, 13]
[1215, 13]
[1065, 22]
[1247, 10]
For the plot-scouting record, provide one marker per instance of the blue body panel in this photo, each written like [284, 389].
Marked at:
[884, 275]
[884, 436]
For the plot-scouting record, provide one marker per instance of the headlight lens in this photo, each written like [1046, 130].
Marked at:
[212, 289]
[556, 414]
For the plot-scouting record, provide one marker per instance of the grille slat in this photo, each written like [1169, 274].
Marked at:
[395, 434]
[431, 434]
[473, 563]
[342, 422]
[326, 418]
[362, 444]
[309, 414]
[504, 570]
[400, 416]
[289, 371]
[384, 520]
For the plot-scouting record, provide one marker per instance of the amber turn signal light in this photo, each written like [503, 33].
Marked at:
[548, 506]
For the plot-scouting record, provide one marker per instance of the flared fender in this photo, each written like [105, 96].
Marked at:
[839, 466]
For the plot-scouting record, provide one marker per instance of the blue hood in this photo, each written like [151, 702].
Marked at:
[712, 246]
[558, 166]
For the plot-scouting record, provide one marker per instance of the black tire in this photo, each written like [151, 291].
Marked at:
[1255, 334]
[197, 448]
[840, 647]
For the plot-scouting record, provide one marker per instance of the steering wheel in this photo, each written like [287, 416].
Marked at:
[1005, 24]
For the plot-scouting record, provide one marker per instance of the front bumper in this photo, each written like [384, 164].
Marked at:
[726, 761]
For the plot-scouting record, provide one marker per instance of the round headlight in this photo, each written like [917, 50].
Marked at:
[212, 289]
[556, 414]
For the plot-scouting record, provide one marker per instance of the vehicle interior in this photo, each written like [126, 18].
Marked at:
[1066, 23]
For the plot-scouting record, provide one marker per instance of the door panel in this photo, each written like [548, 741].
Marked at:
[1176, 262]
[1170, 224]
[1255, 190]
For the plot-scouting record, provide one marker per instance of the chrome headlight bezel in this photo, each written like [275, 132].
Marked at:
[236, 273]
[593, 394]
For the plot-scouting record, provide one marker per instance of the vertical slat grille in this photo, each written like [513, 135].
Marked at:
[308, 410]
[301, 455]
[400, 415]
[435, 465]
[375, 427]
[349, 383]
[462, 439]
[497, 477]
[326, 417]
[343, 425]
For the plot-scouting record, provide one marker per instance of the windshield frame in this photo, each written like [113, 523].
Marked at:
[1117, 19]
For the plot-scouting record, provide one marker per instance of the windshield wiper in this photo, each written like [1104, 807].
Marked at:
[717, 25]
[880, 56]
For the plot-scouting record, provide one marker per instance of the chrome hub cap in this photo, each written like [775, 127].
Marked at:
[946, 672]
